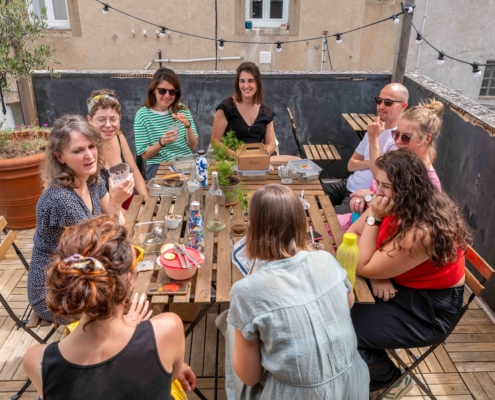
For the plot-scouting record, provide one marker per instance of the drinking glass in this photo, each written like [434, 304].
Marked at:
[119, 172]
[285, 174]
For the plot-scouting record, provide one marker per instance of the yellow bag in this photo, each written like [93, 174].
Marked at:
[176, 389]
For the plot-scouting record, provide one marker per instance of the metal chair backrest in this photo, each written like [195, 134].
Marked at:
[302, 153]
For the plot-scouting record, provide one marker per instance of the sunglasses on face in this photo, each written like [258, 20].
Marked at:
[163, 91]
[405, 137]
[388, 102]
[139, 256]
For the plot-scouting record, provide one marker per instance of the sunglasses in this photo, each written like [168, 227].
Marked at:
[139, 256]
[405, 137]
[388, 102]
[162, 91]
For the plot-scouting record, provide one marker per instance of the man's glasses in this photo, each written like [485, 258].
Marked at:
[162, 91]
[405, 137]
[388, 102]
[102, 121]
[139, 256]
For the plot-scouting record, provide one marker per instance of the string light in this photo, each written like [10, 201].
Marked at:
[338, 39]
[441, 58]
[162, 32]
[279, 46]
[221, 45]
[419, 38]
[396, 20]
[410, 10]
[476, 70]
[105, 9]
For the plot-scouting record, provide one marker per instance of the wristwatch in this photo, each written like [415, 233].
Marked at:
[373, 221]
[368, 198]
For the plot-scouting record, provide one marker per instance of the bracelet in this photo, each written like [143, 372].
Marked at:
[160, 143]
[187, 127]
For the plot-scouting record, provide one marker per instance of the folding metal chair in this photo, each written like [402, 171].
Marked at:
[302, 153]
[476, 287]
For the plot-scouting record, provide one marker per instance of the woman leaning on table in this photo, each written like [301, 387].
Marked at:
[155, 140]
[244, 112]
[74, 191]
[109, 355]
[412, 241]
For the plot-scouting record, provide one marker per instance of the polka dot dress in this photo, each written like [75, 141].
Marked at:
[56, 209]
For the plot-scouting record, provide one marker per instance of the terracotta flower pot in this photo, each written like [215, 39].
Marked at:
[230, 198]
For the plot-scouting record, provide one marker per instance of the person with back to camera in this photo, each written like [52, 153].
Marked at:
[418, 129]
[289, 333]
[74, 191]
[156, 140]
[107, 356]
[412, 240]
[244, 112]
[104, 113]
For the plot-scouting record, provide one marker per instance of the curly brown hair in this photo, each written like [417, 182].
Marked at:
[419, 205]
[96, 293]
[103, 98]
[55, 174]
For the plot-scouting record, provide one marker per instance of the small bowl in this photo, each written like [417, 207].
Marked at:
[172, 221]
[173, 268]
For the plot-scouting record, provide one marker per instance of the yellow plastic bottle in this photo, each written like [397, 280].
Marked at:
[348, 256]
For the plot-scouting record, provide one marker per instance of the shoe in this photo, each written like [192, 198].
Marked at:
[400, 389]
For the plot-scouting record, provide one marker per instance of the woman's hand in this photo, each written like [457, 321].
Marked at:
[138, 311]
[187, 378]
[182, 118]
[120, 192]
[376, 128]
[381, 207]
[383, 289]
[168, 137]
[357, 203]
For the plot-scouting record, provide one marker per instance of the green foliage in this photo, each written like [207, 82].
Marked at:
[242, 197]
[220, 152]
[230, 140]
[20, 51]
[225, 169]
[22, 141]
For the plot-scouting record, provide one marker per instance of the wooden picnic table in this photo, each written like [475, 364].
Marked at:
[359, 122]
[218, 273]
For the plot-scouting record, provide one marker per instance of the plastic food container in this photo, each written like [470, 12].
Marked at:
[183, 163]
[173, 267]
[150, 235]
[253, 175]
[305, 170]
[165, 187]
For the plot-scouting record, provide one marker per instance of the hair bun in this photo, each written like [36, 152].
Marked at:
[436, 106]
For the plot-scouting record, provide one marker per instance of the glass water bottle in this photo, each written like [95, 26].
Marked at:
[215, 199]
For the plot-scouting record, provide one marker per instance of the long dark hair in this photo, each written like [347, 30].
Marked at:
[164, 74]
[419, 205]
[253, 69]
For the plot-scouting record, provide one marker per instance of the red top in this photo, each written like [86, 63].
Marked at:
[425, 275]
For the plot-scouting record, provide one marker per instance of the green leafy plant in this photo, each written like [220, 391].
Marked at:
[231, 141]
[226, 172]
[242, 197]
[23, 141]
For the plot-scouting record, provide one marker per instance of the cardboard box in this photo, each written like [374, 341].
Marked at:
[253, 157]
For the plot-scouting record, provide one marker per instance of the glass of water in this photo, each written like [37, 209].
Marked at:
[119, 172]
[285, 174]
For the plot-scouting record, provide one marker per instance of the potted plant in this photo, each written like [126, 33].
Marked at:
[23, 148]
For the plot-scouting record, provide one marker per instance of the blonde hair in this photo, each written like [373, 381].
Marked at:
[55, 174]
[427, 120]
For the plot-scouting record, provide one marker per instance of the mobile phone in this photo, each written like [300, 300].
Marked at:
[169, 288]
[316, 235]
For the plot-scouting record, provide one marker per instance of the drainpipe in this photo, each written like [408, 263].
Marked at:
[168, 60]
[422, 32]
[160, 56]
[324, 50]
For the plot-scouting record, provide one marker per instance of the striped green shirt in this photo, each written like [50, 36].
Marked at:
[150, 126]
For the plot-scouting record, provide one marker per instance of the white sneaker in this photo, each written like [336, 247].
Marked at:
[401, 389]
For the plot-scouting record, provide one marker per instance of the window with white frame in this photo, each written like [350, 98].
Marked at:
[267, 13]
[488, 82]
[57, 16]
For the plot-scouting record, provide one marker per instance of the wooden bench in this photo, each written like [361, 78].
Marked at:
[359, 122]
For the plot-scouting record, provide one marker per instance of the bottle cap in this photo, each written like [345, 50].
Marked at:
[201, 152]
[349, 239]
[214, 173]
[194, 206]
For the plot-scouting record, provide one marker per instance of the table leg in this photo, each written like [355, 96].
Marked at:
[200, 316]
[216, 358]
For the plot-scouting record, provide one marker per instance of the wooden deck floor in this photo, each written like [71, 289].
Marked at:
[462, 369]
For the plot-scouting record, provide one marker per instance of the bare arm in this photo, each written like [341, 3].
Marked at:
[350, 299]
[218, 131]
[375, 129]
[270, 142]
[31, 364]
[140, 185]
[191, 138]
[111, 203]
[358, 163]
[247, 359]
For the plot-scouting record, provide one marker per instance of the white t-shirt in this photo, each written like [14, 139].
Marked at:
[363, 179]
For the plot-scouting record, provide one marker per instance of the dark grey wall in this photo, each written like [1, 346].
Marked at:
[316, 100]
[465, 165]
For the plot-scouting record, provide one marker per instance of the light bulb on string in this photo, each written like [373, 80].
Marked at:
[221, 45]
[419, 39]
[409, 10]
[162, 32]
[476, 70]
[105, 9]
[338, 39]
[279, 46]
[441, 58]
[395, 19]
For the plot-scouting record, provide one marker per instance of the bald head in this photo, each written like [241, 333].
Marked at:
[401, 92]
[392, 113]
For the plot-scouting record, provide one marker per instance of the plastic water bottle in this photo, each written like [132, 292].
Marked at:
[348, 256]
[194, 188]
[202, 169]
[195, 228]
[215, 198]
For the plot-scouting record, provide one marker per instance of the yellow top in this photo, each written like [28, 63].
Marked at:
[349, 239]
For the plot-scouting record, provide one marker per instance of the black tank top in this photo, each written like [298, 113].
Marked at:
[136, 372]
[105, 172]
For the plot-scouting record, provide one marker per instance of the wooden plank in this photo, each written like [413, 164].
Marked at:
[352, 123]
[224, 262]
[477, 261]
[308, 152]
[475, 366]
[444, 359]
[6, 243]
[486, 383]
[470, 347]
[132, 212]
[204, 274]
[372, 116]
[323, 154]
[319, 224]
[148, 209]
[367, 120]
[362, 291]
[335, 152]
[431, 361]
[316, 155]
[473, 283]
[474, 386]
[210, 340]
[237, 214]
[3, 222]
[34, 320]
[198, 347]
[328, 151]
[474, 329]
[471, 337]
[359, 121]
[470, 356]
[331, 218]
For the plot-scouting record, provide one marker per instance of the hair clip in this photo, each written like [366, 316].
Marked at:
[83, 262]
[93, 101]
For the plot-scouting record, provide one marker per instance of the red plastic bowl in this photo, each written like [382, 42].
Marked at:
[173, 268]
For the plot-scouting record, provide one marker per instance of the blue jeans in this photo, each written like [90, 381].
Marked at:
[151, 171]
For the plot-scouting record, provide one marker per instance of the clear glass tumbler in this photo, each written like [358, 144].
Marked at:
[285, 174]
[119, 172]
